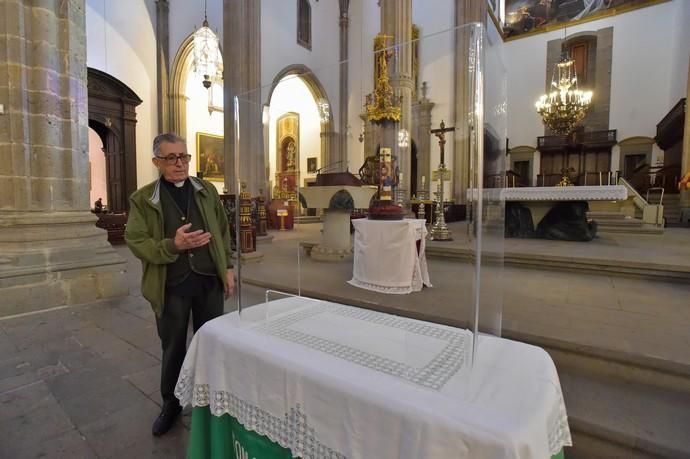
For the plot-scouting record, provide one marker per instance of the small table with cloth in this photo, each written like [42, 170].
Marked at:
[389, 256]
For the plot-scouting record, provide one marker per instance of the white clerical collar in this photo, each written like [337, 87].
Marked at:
[179, 184]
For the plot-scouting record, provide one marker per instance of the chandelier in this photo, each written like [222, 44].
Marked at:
[208, 60]
[565, 106]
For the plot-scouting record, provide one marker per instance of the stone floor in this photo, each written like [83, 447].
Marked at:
[82, 381]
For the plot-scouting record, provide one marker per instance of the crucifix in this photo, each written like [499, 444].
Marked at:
[441, 134]
[439, 231]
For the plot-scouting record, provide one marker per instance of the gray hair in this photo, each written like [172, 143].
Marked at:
[168, 137]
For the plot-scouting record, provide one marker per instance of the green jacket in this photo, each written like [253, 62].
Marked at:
[145, 237]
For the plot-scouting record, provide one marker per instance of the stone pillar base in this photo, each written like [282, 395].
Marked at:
[53, 259]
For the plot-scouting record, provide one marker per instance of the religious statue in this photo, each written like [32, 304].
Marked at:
[384, 105]
[291, 158]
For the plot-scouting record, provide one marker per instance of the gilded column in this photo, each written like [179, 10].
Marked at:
[51, 253]
[396, 21]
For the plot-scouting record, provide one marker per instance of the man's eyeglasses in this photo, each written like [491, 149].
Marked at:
[184, 158]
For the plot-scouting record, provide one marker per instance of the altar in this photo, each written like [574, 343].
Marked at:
[557, 212]
[299, 377]
[389, 256]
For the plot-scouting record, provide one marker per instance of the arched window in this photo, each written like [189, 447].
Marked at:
[304, 23]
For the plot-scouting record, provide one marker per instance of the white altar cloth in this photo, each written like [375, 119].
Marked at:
[566, 193]
[334, 381]
[386, 258]
[552, 193]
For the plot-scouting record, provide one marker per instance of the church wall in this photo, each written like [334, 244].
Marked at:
[641, 70]
[121, 42]
[681, 52]
[644, 55]
[279, 48]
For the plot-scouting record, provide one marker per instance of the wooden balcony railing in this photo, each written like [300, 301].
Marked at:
[587, 138]
[586, 178]
[670, 129]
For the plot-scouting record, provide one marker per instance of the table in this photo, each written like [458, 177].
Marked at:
[386, 256]
[318, 379]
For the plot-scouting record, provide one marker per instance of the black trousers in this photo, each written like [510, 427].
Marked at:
[204, 304]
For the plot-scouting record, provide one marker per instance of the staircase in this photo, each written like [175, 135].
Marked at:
[302, 219]
[618, 222]
[672, 209]
[623, 406]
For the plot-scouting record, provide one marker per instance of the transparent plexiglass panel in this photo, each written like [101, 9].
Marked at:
[392, 205]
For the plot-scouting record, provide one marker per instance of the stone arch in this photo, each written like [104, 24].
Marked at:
[631, 151]
[637, 140]
[520, 155]
[112, 114]
[319, 93]
[178, 84]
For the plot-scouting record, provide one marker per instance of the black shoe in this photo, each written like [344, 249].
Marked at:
[165, 420]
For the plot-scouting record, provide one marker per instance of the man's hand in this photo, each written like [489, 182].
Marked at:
[230, 283]
[185, 240]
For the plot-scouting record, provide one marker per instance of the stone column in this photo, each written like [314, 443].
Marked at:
[163, 63]
[685, 159]
[421, 114]
[329, 145]
[466, 11]
[344, 22]
[51, 253]
[396, 21]
[242, 63]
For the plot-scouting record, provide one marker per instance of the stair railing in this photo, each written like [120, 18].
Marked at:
[651, 213]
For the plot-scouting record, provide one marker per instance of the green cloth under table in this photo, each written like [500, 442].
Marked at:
[214, 437]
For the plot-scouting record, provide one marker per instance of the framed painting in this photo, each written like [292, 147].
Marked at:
[210, 160]
[311, 165]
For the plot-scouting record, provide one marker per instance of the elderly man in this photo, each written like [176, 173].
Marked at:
[179, 230]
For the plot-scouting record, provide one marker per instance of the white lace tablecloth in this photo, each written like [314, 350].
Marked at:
[386, 258]
[334, 381]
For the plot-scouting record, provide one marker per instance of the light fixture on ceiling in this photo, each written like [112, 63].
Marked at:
[208, 60]
[566, 105]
